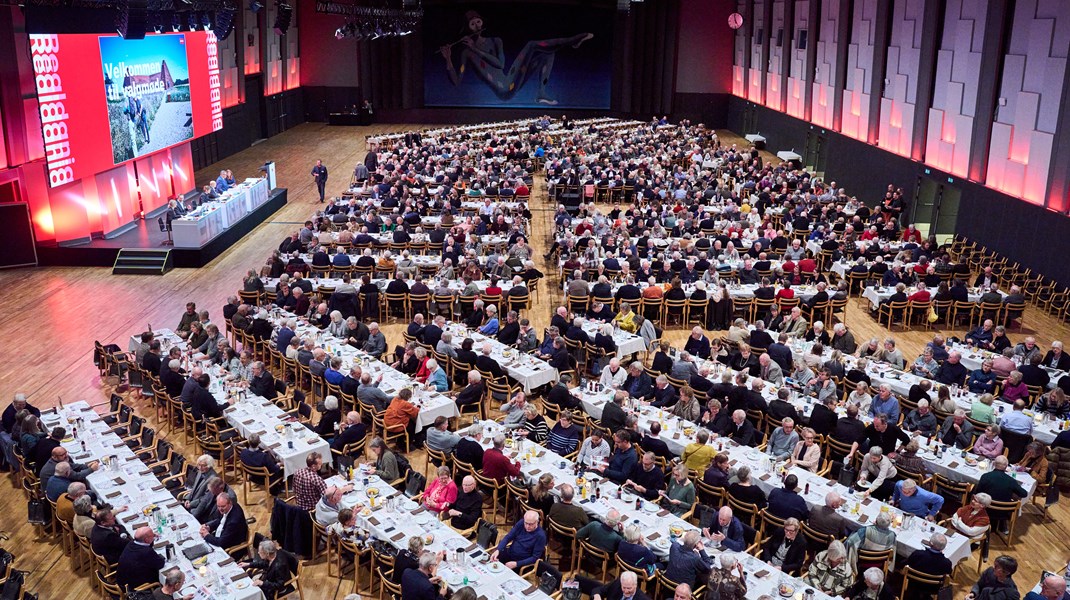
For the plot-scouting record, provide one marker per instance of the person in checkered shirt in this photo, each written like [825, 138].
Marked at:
[308, 485]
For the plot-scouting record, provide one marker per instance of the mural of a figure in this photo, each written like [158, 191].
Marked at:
[487, 57]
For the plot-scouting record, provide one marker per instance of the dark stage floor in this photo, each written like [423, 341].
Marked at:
[147, 235]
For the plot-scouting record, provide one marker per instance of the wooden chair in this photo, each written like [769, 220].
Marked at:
[744, 511]
[675, 310]
[919, 578]
[597, 555]
[641, 575]
[876, 557]
[567, 538]
[1011, 510]
[889, 311]
[494, 490]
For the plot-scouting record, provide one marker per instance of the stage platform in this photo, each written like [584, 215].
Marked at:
[147, 234]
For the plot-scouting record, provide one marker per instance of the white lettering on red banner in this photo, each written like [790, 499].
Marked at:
[44, 52]
[213, 81]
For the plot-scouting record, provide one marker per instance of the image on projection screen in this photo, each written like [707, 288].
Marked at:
[147, 88]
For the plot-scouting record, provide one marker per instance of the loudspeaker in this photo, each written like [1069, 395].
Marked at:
[283, 18]
[132, 20]
[16, 244]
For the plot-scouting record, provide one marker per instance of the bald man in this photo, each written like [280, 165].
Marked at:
[139, 563]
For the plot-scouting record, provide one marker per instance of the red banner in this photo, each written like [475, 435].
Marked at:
[105, 101]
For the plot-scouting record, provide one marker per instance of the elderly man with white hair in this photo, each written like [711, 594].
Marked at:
[929, 561]
[613, 375]
[625, 587]
[830, 571]
[921, 420]
[727, 530]
[917, 501]
[376, 343]
[783, 440]
[872, 586]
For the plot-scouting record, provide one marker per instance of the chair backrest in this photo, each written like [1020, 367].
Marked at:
[1015, 444]
[874, 557]
[746, 512]
[913, 577]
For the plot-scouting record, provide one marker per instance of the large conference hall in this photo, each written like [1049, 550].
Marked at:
[535, 299]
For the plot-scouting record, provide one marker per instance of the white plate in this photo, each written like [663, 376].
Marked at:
[189, 590]
[661, 543]
[650, 507]
[862, 484]
[454, 580]
[241, 585]
[494, 567]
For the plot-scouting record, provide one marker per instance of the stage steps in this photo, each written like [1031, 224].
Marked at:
[141, 261]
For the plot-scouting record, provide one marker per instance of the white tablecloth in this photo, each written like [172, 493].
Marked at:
[407, 520]
[277, 431]
[651, 520]
[431, 403]
[528, 371]
[130, 483]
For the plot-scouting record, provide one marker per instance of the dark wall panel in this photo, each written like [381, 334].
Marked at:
[1031, 235]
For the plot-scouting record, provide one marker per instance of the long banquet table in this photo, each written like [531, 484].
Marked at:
[654, 522]
[126, 481]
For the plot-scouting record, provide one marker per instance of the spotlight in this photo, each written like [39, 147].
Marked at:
[205, 20]
[193, 21]
[176, 22]
[255, 5]
[282, 19]
[224, 22]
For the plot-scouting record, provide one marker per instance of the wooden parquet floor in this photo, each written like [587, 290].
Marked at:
[49, 318]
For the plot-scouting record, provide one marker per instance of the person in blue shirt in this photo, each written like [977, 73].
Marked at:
[523, 545]
[885, 402]
[622, 460]
[728, 530]
[983, 380]
[221, 184]
[1016, 420]
[634, 552]
[916, 501]
[436, 377]
[685, 564]
[332, 374]
[786, 502]
[491, 326]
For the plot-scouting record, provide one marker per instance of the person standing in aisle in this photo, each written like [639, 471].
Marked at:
[319, 173]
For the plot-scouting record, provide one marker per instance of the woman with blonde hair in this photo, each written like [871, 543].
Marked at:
[539, 496]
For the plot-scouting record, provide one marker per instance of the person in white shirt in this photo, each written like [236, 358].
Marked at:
[613, 375]
[595, 450]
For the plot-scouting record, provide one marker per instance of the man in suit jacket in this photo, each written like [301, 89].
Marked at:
[769, 370]
[205, 405]
[433, 332]
[254, 457]
[230, 529]
[352, 431]
[613, 415]
[107, 537]
[262, 382]
[638, 384]
[652, 442]
[470, 449]
[930, 561]
[794, 325]
[741, 431]
[780, 352]
[473, 392]
[139, 563]
[625, 587]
